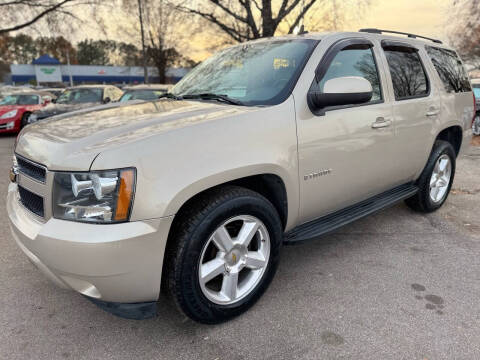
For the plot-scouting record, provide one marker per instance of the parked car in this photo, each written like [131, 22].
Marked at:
[270, 142]
[16, 108]
[55, 91]
[476, 92]
[143, 92]
[78, 97]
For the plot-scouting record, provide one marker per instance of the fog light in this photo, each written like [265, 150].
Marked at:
[10, 124]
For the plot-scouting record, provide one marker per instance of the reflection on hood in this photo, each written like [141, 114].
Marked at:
[56, 109]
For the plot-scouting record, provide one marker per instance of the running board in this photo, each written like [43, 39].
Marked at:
[331, 222]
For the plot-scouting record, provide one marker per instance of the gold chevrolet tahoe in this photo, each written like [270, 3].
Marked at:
[269, 142]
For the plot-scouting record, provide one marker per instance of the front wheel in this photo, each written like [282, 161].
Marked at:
[436, 179]
[24, 121]
[223, 254]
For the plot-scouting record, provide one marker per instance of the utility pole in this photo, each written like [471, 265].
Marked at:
[69, 70]
[145, 74]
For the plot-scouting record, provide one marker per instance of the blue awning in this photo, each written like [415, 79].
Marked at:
[46, 60]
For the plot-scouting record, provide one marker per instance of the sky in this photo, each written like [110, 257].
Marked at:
[423, 17]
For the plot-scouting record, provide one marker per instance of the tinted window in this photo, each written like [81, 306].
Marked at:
[20, 100]
[84, 95]
[355, 62]
[141, 95]
[408, 76]
[450, 69]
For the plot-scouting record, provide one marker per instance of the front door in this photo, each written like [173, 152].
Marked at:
[345, 153]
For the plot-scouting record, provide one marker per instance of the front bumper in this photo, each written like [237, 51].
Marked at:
[112, 263]
[16, 124]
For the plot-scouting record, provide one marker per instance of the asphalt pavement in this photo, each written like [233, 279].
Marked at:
[396, 285]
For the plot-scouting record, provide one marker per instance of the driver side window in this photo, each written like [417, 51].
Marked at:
[355, 62]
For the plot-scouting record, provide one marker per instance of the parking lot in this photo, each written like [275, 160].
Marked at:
[396, 285]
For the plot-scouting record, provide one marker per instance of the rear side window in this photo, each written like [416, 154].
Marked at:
[408, 75]
[450, 69]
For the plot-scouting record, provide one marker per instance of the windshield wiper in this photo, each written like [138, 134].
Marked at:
[211, 96]
[170, 96]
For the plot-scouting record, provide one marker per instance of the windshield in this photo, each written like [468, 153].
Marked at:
[77, 96]
[262, 73]
[144, 94]
[476, 90]
[19, 100]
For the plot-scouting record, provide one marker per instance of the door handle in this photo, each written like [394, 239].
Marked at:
[381, 122]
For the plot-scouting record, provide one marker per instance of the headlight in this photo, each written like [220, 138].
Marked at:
[99, 197]
[9, 114]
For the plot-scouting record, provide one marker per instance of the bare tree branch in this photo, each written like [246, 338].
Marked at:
[300, 16]
[36, 18]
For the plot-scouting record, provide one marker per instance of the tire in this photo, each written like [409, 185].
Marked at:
[429, 199]
[193, 245]
[24, 121]
[476, 124]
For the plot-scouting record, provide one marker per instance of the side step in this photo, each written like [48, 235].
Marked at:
[331, 222]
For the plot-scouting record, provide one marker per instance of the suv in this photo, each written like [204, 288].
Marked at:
[270, 142]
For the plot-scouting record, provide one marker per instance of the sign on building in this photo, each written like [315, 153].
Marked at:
[48, 73]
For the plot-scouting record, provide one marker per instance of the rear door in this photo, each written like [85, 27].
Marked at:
[416, 106]
[456, 94]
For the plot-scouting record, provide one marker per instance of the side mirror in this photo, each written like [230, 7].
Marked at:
[106, 100]
[339, 91]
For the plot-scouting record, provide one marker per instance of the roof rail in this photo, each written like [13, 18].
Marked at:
[380, 31]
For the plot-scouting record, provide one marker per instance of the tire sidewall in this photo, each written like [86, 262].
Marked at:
[24, 120]
[193, 297]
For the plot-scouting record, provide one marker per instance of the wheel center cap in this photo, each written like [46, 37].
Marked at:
[234, 256]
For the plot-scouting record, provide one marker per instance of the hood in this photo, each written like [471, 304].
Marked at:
[53, 109]
[72, 141]
[6, 108]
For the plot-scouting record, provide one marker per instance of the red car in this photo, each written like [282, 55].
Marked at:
[16, 108]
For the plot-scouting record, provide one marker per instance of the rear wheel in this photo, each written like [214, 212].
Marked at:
[436, 179]
[223, 254]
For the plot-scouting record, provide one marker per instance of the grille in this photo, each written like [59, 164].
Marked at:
[32, 170]
[31, 201]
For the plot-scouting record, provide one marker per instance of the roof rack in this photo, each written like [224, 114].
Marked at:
[380, 31]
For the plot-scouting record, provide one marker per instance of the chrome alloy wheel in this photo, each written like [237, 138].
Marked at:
[234, 259]
[442, 172]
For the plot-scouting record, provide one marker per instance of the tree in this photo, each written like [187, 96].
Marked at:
[244, 20]
[21, 49]
[57, 47]
[335, 15]
[161, 21]
[93, 52]
[20, 14]
[464, 34]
